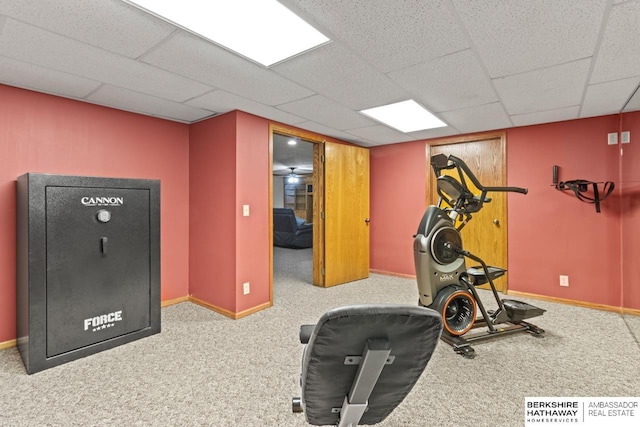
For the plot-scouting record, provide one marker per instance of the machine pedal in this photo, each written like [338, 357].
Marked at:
[520, 310]
[478, 276]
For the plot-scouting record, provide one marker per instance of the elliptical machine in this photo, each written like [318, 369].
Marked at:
[445, 284]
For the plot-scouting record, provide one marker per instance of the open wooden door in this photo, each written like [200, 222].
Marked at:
[486, 234]
[346, 214]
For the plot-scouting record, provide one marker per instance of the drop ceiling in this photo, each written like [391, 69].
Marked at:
[285, 156]
[478, 65]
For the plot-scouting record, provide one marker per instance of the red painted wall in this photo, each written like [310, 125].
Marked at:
[229, 168]
[550, 232]
[212, 211]
[252, 233]
[630, 230]
[48, 134]
[398, 201]
[210, 169]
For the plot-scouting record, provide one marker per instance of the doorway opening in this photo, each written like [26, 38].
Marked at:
[292, 202]
[340, 207]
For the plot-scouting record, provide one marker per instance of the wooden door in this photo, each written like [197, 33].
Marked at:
[486, 234]
[346, 214]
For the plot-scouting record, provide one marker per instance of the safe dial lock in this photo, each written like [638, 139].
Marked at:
[104, 215]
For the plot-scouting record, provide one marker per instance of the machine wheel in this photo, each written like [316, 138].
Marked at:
[457, 307]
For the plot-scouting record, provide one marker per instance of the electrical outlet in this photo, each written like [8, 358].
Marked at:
[612, 138]
[246, 288]
[564, 280]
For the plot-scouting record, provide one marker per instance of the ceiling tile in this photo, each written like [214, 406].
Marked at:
[327, 112]
[545, 89]
[198, 59]
[621, 37]
[380, 134]
[470, 62]
[548, 116]
[634, 102]
[513, 37]
[608, 97]
[435, 133]
[328, 131]
[41, 79]
[63, 54]
[478, 118]
[145, 104]
[448, 83]
[286, 156]
[385, 35]
[223, 102]
[334, 72]
[112, 25]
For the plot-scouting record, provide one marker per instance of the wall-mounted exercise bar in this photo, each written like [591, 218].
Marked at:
[580, 187]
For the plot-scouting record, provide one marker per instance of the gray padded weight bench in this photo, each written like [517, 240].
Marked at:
[361, 361]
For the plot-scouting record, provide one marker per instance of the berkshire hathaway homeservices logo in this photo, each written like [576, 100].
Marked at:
[582, 411]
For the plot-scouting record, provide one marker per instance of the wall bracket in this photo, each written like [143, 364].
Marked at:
[580, 188]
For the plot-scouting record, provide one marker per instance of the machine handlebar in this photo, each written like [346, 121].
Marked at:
[507, 189]
[457, 162]
[456, 192]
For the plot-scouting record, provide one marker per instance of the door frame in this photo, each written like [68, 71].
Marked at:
[318, 199]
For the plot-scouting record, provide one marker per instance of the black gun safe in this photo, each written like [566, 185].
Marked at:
[88, 265]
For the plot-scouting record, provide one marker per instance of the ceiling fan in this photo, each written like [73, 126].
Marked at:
[293, 174]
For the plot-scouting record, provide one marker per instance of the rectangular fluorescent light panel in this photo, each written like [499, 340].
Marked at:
[405, 116]
[262, 30]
